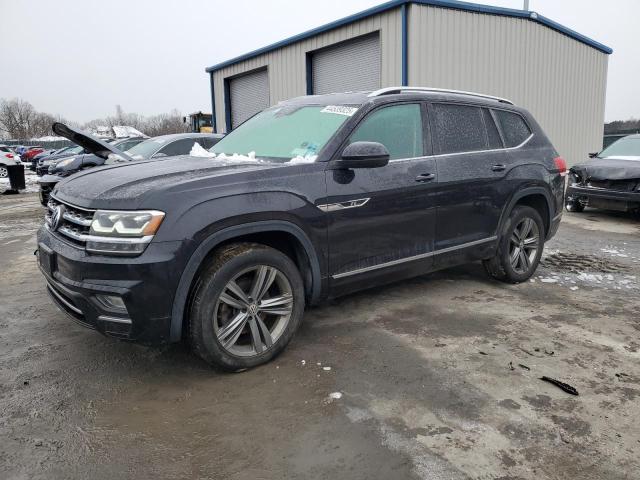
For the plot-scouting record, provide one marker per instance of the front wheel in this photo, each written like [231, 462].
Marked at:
[246, 307]
[520, 246]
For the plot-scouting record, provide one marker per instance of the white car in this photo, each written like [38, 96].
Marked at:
[7, 157]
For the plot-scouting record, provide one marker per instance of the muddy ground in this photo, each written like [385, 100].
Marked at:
[423, 367]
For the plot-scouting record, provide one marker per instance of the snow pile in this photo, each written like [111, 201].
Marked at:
[125, 131]
[198, 151]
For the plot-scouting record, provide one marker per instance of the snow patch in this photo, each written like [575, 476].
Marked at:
[335, 395]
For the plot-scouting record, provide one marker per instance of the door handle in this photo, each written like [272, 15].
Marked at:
[499, 168]
[425, 177]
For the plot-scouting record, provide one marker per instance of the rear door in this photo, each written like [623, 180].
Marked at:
[471, 163]
[381, 220]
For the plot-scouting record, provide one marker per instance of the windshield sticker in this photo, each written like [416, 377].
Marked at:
[339, 110]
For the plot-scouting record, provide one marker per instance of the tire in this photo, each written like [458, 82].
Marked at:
[575, 207]
[523, 267]
[4, 173]
[218, 313]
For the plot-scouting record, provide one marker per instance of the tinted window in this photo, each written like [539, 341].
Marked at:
[492, 131]
[514, 128]
[179, 147]
[399, 128]
[207, 142]
[457, 128]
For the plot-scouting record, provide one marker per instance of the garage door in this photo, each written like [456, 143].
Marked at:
[348, 67]
[249, 95]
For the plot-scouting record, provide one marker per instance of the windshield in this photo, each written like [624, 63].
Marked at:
[144, 150]
[285, 133]
[625, 147]
[74, 150]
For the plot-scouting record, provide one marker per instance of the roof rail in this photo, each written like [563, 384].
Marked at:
[391, 90]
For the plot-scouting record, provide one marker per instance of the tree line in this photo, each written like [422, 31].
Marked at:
[19, 120]
[622, 126]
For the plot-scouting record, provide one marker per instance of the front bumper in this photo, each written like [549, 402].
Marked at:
[78, 282]
[603, 198]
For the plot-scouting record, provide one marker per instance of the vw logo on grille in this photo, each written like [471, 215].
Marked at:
[56, 217]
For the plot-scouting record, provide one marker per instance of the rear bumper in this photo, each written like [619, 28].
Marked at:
[603, 198]
[78, 283]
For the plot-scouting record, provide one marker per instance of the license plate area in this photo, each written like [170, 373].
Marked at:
[46, 259]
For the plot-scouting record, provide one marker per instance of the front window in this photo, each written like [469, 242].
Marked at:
[281, 134]
[627, 147]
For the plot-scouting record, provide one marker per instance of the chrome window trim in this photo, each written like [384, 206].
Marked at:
[493, 150]
[412, 258]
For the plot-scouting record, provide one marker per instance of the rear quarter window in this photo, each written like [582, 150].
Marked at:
[514, 128]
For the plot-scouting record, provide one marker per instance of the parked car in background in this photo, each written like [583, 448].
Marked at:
[314, 198]
[610, 181]
[100, 152]
[7, 157]
[43, 164]
[30, 153]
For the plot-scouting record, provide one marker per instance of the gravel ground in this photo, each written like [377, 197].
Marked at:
[422, 379]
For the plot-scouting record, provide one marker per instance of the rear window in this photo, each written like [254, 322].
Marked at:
[514, 129]
[457, 129]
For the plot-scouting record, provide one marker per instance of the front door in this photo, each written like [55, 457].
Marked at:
[381, 220]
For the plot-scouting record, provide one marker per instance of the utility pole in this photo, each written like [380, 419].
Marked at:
[526, 5]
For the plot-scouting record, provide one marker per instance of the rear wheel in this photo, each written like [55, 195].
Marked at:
[4, 173]
[520, 246]
[246, 307]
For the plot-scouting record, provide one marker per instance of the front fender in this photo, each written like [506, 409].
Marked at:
[49, 179]
[215, 239]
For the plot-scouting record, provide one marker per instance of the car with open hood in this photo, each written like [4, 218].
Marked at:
[609, 181]
[101, 152]
[310, 199]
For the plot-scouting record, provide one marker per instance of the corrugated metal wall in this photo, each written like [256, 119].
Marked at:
[560, 80]
[287, 65]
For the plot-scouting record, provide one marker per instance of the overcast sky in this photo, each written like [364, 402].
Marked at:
[79, 58]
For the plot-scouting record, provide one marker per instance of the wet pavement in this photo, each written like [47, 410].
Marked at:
[429, 372]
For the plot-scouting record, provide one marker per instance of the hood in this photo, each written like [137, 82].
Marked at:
[90, 143]
[611, 168]
[126, 185]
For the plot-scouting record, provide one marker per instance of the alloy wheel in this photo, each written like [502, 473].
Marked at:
[4, 173]
[253, 310]
[523, 245]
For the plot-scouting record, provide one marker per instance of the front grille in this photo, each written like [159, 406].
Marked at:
[75, 223]
[618, 185]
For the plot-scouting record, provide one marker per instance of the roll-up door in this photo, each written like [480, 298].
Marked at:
[347, 67]
[249, 95]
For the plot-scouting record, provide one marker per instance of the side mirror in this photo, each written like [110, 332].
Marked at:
[593, 154]
[363, 155]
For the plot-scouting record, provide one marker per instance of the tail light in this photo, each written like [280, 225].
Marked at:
[8, 155]
[561, 165]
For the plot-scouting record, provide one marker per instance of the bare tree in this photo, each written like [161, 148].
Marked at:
[16, 118]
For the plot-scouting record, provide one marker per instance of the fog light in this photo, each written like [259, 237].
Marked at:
[112, 302]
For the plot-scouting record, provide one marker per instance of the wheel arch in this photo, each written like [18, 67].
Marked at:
[243, 232]
[536, 197]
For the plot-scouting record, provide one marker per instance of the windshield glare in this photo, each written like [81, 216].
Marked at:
[625, 147]
[145, 149]
[284, 133]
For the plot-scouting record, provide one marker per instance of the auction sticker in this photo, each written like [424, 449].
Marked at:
[339, 110]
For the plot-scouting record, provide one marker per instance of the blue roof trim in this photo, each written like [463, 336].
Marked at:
[454, 4]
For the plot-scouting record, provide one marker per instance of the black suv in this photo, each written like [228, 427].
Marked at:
[313, 198]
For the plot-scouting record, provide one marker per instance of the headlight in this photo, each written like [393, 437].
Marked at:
[123, 232]
[64, 163]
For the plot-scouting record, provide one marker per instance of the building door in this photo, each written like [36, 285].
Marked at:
[350, 66]
[249, 94]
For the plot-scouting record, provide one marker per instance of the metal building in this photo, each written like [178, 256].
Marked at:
[556, 73]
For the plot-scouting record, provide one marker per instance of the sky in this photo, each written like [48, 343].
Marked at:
[80, 58]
